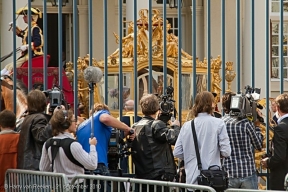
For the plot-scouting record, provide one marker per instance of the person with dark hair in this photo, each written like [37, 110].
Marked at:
[8, 145]
[63, 125]
[278, 162]
[34, 131]
[211, 134]
[243, 135]
[153, 158]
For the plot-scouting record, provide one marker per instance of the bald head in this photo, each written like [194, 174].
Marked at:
[129, 105]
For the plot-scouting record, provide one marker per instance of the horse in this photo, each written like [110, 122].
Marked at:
[7, 95]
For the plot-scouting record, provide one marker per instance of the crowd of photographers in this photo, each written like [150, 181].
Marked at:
[46, 142]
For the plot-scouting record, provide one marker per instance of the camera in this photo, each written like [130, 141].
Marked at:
[118, 148]
[245, 105]
[166, 104]
[56, 98]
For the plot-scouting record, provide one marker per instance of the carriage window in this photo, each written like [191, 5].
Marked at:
[113, 90]
[157, 81]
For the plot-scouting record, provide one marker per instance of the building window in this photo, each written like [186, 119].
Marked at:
[174, 25]
[275, 50]
[275, 6]
[161, 1]
[124, 27]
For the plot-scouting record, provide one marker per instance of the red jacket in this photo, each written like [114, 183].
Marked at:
[8, 154]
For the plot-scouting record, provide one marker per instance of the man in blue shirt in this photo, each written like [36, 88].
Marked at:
[103, 123]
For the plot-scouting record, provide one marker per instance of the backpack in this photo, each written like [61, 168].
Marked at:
[65, 144]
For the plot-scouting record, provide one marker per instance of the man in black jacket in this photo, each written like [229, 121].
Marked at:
[278, 162]
[34, 131]
[154, 158]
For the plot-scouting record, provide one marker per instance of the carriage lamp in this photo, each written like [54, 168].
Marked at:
[174, 4]
[55, 3]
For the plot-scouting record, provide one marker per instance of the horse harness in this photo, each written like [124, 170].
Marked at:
[5, 84]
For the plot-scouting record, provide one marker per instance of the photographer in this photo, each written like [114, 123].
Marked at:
[35, 130]
[103, 123]
[243, 135]
[154, 137]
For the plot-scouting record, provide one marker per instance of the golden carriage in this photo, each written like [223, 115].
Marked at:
[143, 70]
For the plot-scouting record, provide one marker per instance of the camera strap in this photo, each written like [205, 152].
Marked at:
[196, 145]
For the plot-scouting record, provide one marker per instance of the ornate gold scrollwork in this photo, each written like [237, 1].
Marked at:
[142, 58]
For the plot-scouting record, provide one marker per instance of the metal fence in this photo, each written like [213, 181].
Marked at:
[117, 184]
[26, 180]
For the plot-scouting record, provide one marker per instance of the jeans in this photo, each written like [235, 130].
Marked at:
[249, 182]
[101, 170]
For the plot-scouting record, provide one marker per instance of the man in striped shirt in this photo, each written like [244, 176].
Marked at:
[243, 137]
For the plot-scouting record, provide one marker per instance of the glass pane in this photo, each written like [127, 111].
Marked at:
[285, 40]
[176, 32]
[275, 73]
[285, 28]
[186, 91]
[175, 22]
[285, 73]
[113, 91]
[285, 62]
[285, 6]
[275, 62]
[157, 83]
[170, 20]
[275, 28]
[285, 50]
[275, 51]
[275, 40]
[275, 6]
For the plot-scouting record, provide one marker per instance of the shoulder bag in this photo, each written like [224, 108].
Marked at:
[214, 176]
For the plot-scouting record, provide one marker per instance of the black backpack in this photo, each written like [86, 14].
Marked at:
[65, 144]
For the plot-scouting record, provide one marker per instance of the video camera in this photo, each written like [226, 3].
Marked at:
[167, 107]
[118, 148]
[245, 105]
[56, 98]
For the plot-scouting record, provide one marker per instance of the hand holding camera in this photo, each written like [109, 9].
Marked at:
[131, 135]
[175, 122]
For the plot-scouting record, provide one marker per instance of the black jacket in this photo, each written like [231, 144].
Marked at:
[152, 144]
[278, 163]
[35, 130]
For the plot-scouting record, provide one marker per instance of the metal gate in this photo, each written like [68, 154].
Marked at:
[263, 58]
